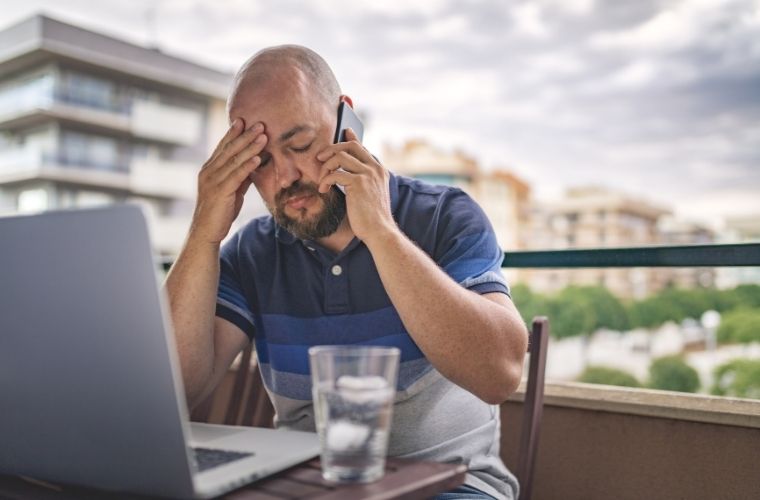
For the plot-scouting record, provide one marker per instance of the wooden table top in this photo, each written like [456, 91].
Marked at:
[403, 479]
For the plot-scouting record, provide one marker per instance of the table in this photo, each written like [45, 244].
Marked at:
[404, 479]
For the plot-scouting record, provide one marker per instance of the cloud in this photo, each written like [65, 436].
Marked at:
[655, 96]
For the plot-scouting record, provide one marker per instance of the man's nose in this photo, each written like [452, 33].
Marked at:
[287, 172]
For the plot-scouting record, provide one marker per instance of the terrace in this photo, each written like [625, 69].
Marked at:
[604, 442]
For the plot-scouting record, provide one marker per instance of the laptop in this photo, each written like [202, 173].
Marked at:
[90, 387]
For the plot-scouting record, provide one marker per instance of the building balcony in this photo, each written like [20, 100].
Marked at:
[165, 179]
[167, 232]
[144, 177]
[142, 119]
[600, 442]
[27, 164]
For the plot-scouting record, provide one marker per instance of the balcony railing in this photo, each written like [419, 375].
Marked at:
[717, 255]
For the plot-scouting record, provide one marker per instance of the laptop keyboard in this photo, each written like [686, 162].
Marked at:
[207, 458]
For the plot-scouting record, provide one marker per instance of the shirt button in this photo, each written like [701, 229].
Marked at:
[336, 270]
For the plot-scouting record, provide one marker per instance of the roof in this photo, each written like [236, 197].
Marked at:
[41, 35]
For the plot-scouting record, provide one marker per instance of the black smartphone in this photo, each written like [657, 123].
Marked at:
[347, 119]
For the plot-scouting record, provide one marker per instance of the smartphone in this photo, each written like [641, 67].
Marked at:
[347, 119]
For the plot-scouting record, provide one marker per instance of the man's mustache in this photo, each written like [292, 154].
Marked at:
[298, 188]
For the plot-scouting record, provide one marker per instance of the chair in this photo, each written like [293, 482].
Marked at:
[533, 405]
[247, 403]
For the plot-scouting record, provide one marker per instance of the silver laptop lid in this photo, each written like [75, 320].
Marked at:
[90, 391]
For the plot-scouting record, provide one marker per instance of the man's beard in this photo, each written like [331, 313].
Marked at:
[317, 226]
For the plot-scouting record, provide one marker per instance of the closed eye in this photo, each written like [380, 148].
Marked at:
[302, 149]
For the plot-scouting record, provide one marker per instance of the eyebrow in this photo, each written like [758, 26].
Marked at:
[290, 133]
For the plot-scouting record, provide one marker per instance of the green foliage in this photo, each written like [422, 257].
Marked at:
[745, 296]
[528, 303]
[740, 325]
[672, 373]
[650, 312]
[738, 378]
[581, 310]
[608, 376]
[571, 314]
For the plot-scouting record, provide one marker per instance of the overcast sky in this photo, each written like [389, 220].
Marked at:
[656, 98]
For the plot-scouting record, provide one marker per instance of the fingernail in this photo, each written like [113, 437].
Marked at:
[235, 123]
[261, 138]
[322, 156]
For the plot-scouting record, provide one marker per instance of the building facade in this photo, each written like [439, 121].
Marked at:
[594, 217]
[87, 119]
[504, 197]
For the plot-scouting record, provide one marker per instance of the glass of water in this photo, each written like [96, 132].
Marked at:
[353, 389]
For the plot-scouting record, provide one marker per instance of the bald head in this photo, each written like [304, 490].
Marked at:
[286, 61]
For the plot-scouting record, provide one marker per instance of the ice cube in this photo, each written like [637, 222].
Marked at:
[361, 390]
[343, 435]
[372, 382]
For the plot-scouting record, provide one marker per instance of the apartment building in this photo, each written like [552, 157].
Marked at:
[595, 217]
[739, 229]
[504, 197]
[87, 119]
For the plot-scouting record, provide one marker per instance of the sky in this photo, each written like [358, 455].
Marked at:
[659, 99]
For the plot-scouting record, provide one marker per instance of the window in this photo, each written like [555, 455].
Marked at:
[90, 151]
[77, 88]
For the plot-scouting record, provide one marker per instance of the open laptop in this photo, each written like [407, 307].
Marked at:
[90, 386]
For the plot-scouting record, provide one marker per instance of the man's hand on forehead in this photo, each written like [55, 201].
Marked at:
[225, 178]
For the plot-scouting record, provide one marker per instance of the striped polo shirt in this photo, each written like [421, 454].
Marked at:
[289, 294]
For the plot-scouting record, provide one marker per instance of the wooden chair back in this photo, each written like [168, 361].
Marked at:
[533, 405]
[246, 403]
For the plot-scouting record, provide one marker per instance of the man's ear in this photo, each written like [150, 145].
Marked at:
[347, 100]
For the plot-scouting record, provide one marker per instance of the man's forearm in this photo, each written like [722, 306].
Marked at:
[191, 286]
[473, 341]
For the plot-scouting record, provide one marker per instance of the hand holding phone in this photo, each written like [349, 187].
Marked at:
[347, 119]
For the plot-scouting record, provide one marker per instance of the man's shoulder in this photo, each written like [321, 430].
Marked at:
[420, 196]
[258, 233]
[411, 187]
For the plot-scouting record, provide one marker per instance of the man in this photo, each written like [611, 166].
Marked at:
[393, 261]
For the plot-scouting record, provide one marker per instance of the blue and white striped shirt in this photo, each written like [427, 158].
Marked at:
[288, 295]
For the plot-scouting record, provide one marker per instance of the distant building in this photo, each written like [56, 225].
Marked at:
[594, 217]
[504, 197]
[678, 232]
[86, 119]
[740, 229]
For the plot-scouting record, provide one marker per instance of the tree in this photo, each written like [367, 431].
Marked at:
[529, 304]
[651, 312]
[672, 373]
[608, 311]
[608, 376]
[740, 325]
[739, 378]
[571, 315]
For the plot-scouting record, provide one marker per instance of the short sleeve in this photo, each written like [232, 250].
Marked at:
[466, 246]
[231, 303]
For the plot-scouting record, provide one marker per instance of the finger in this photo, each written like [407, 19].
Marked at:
[237, 126]
[351, 135]
[239, 176]
[337, 177]
[345, 161]
[237, 144]
[251, 150]
[352, 147]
